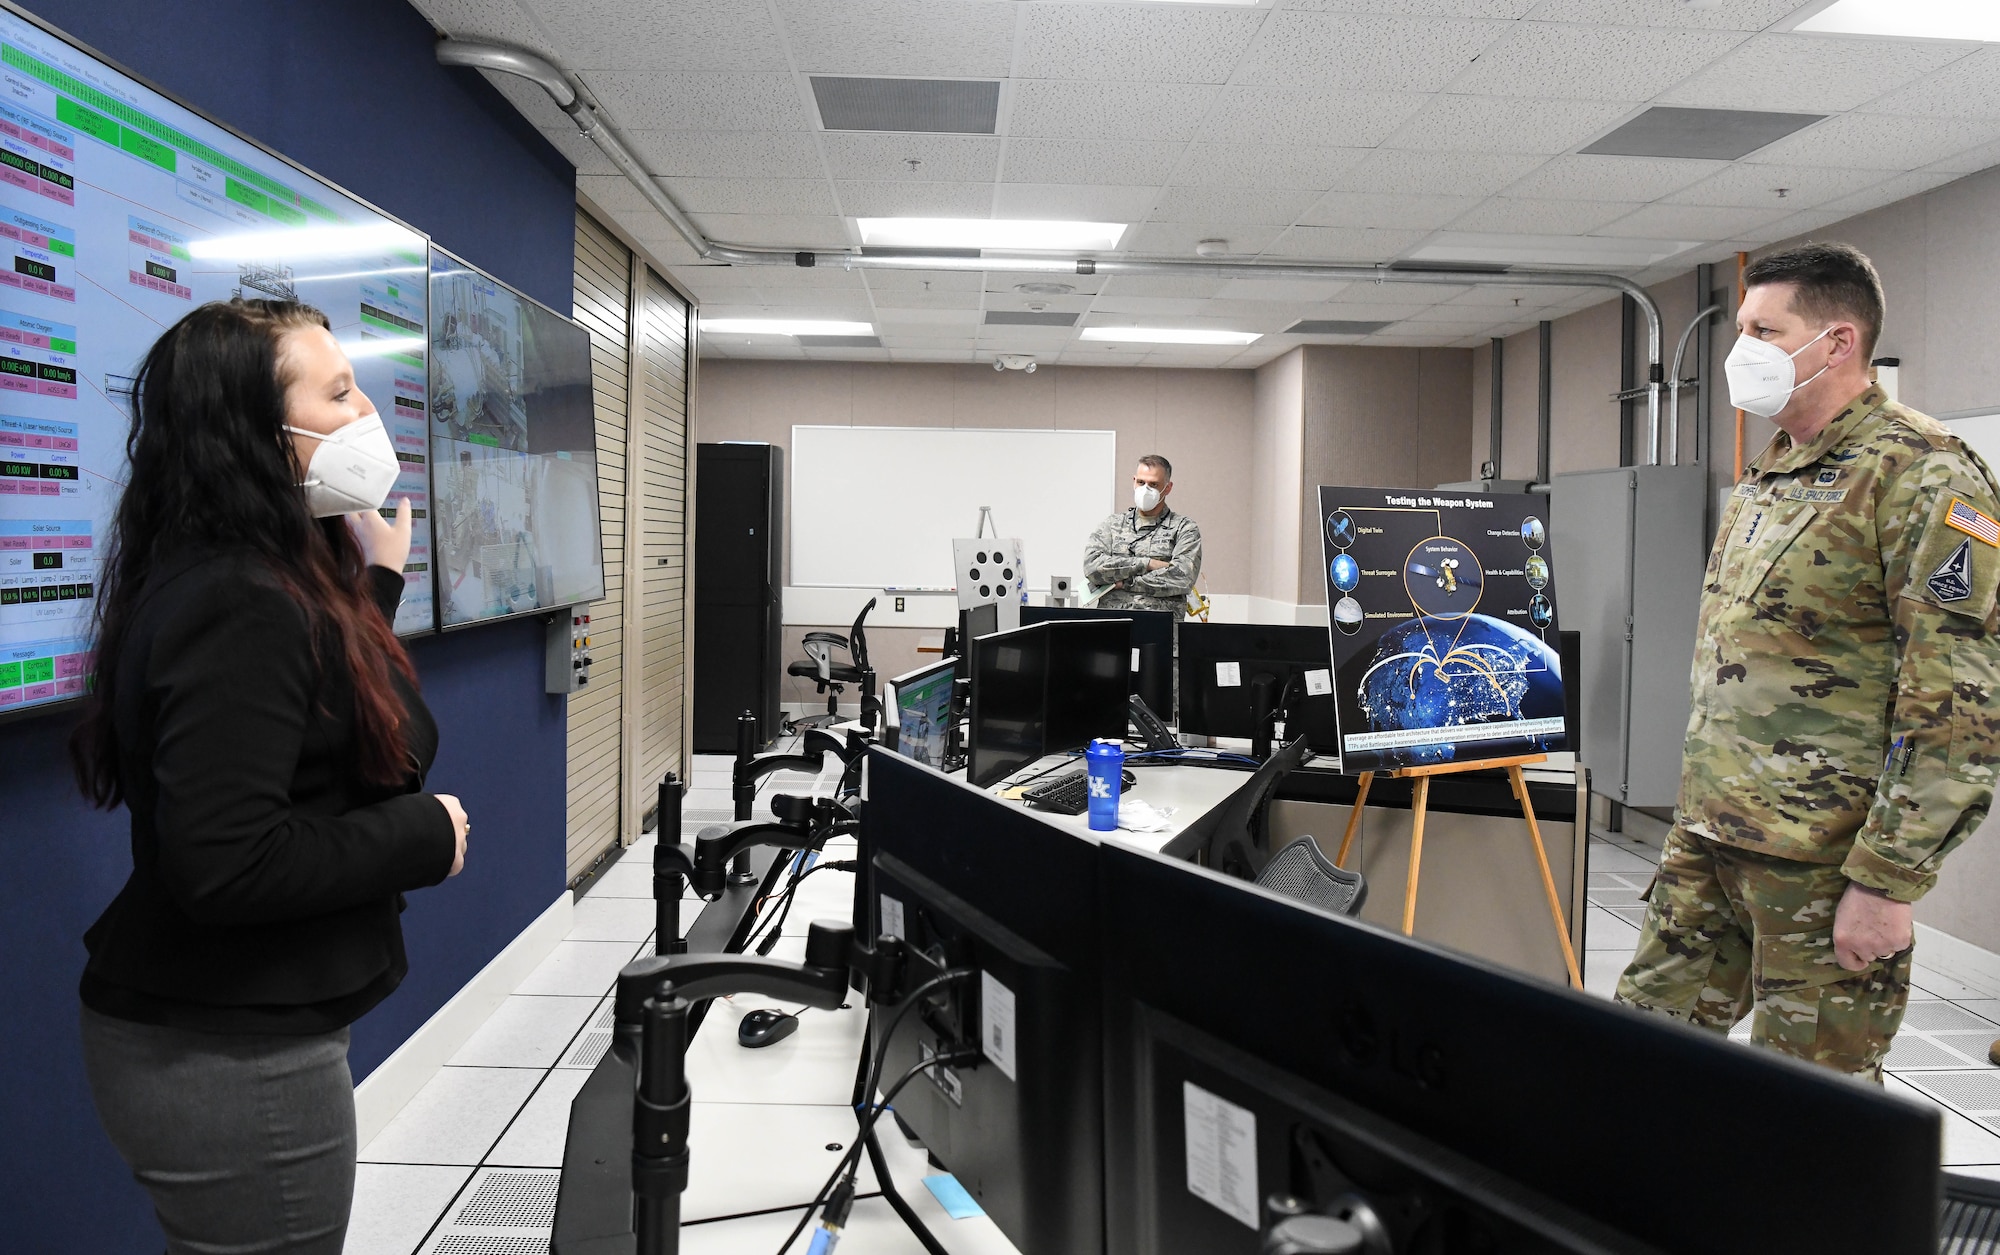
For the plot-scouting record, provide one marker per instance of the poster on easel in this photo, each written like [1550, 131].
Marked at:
[1442, 613]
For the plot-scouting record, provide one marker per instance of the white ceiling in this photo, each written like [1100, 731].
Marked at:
[1337, 130]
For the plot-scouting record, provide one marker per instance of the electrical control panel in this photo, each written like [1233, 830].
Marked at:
[568, 655]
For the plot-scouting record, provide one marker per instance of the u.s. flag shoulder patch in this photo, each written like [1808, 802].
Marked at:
[1972, 523]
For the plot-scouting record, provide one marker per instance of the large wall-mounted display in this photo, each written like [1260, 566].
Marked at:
[120, 211]
[513, 451]
[1442, 610]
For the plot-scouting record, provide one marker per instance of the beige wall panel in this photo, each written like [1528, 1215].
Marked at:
[1277, 447]
[1204, 429]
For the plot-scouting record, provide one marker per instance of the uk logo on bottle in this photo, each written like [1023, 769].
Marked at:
[1100, 787]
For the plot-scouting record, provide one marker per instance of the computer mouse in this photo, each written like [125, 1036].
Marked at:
[765, 1025]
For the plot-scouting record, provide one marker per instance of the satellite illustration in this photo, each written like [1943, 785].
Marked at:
[1443, 626]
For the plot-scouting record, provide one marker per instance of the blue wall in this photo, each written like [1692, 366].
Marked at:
[349, 89]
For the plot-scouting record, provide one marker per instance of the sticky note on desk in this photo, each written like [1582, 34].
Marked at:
[957, 1203]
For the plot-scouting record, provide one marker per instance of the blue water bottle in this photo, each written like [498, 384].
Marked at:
[1105, 761]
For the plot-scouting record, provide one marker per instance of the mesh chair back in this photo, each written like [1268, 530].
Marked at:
[857, 639]
[1301, 871]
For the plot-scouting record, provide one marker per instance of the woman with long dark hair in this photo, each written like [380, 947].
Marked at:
[256, 714]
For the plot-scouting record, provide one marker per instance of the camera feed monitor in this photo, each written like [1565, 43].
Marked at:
[121, 211]
[922, 703]
[514, 451]
[1443, 625]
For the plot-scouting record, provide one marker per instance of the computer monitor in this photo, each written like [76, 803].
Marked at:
[1233, 674]
[1278, 1050]
[1089, 683]
[917, 719]
[1008, 714]
[990, 885]
[1152, 648]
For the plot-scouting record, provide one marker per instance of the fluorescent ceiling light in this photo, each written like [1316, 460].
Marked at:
[787, 326]
[308, 243]
[1169, 335]
[1548, 250]
[1018, 233]
[1912, 19]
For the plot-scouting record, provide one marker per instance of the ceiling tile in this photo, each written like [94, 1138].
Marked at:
[1417, 8]
[1363, 209]
[501, 20]
[1541, 217]
[1529, 296]
[1877, 142]
[1214, 204]
[1577, 177]
[1400, 292]
[614, 193]
[1310, 290]
[712, 35]
[1899, 187]
[1591, 62]
[1967, 88]
[1130, 163]
[1796, 225]
[1504, 124]
[1738, 15]
[1345, 244]
[1193, 286]
[1371, 311]
[584, 155]
[746, 196]
[865, 199]
[1339, 119]
[1002, 286]
[886, 158]
[961, 281]
[1364, 52]
[681, 101]
[1149, 44]
[897, 354]
[1072, 202]
[1969, 160]
[927, 300]
[1101, 111]
[1263, 165]
[1144, 306]
[729, 154]
[1177, 239]
[1691, 222]
[1755, 186]
[901, 37]
[1810, 73]
[776, 230]
[1442, 173]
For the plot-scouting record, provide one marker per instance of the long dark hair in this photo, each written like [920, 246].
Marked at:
[211, 467]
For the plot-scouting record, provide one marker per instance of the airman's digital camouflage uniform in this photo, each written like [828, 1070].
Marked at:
[1841, 729]
[1120, 548]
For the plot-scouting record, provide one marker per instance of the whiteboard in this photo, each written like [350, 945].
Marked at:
[878, 507]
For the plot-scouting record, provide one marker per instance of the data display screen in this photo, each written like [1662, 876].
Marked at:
[120, 211]
[513, 449]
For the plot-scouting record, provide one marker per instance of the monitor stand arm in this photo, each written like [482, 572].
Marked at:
[652, 1003]
[1268, 713]
[802, 824]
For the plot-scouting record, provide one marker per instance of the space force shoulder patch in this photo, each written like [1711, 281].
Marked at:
[1956, 565]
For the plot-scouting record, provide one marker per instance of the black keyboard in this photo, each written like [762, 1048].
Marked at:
[1067, 794]
[1970, 1224]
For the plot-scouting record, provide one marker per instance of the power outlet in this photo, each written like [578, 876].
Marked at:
[899, 605]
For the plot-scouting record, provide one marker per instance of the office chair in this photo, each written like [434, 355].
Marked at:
[1302, 871]
[1235, 837]
[832, 678]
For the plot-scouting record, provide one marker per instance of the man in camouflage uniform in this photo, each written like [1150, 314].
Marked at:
[1841, 742]
[1148, 555]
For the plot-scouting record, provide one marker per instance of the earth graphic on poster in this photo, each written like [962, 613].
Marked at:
[1437, 673]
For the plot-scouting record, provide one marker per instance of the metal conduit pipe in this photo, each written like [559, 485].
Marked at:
[556, 81]
[1674, 383]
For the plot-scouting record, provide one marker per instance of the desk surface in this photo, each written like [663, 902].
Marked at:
[1191, 791]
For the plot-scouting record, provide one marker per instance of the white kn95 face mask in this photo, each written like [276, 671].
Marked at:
[353, 469]
[1762, 377]
[1146, 497]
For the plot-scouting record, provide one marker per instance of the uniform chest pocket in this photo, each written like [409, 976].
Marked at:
[1791, 579]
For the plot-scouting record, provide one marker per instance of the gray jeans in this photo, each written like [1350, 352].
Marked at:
[245, 1143]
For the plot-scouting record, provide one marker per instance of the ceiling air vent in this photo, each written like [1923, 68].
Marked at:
[1712, 134]
[1027, 318]
[955, 106]
[1333, 327]
[840, 342]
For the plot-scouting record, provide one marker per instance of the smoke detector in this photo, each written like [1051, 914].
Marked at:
[1014, 361]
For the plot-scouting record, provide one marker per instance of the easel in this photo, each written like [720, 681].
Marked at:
[1423, 775]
